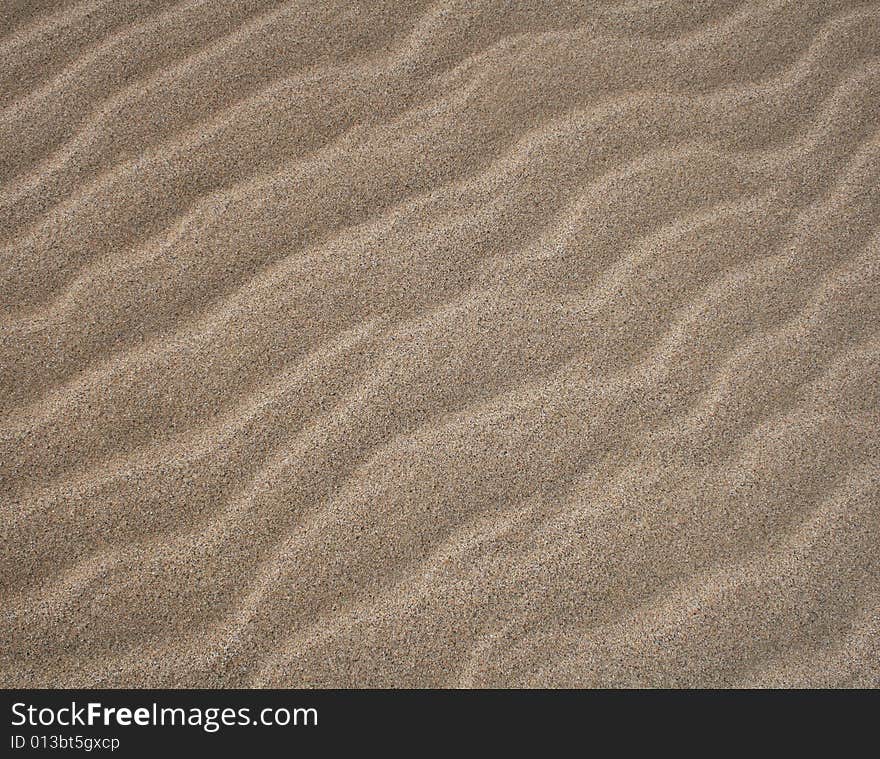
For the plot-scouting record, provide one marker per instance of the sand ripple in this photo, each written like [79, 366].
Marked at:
[440, 344]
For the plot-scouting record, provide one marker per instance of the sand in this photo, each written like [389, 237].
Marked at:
[458, 344]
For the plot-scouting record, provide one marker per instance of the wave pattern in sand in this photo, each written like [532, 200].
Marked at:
[463, 343]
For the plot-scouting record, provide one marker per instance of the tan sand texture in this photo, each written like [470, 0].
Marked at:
[465, 343]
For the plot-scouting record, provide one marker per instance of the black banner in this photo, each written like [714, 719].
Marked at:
[143, 722]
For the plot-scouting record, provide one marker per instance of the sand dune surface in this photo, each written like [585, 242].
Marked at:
[471, 343]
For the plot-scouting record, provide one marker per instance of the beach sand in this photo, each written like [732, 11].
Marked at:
[471, 343]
